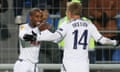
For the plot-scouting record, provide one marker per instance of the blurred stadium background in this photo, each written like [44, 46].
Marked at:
[50, 54]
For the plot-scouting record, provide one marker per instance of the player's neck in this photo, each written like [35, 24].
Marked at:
[32, 25]
[75, 17]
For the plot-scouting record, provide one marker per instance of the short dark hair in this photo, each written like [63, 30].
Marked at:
[33, 10]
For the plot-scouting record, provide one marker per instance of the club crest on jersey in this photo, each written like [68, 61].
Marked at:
[21, 27]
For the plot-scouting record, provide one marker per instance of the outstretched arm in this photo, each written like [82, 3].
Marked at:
[48, 36]
[99, 38]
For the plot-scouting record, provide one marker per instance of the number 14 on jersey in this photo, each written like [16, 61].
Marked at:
[78, 39]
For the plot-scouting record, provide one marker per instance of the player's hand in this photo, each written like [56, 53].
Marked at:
[44, 26]
[30, 37]
[34, 34]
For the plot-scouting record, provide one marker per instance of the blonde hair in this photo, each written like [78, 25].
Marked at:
[74, 7]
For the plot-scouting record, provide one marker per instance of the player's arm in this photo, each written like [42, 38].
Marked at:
[46, 35]
[101, 39]
[42, 35]
[23, 32]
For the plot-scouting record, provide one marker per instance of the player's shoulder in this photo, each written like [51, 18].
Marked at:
[85, 19]
[23, 26]
[64, 23]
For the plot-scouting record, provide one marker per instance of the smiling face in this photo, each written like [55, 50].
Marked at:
[35, 17]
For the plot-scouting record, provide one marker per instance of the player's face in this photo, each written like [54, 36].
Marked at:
[36, 18]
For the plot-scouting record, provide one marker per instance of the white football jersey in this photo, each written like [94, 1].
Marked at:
[76, 34]
[28, 50]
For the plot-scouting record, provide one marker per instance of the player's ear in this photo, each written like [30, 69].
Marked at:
[69, 14]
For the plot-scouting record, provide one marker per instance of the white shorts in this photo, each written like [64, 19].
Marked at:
[25, 66]
[73, 66]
